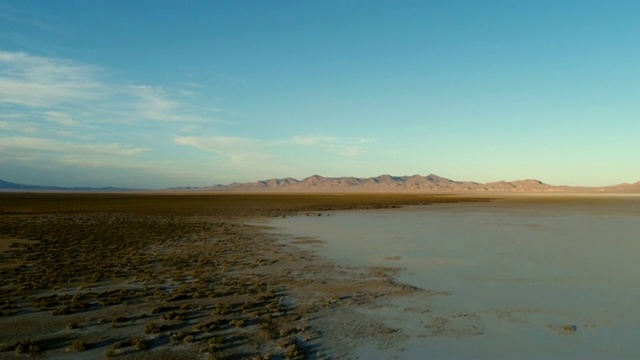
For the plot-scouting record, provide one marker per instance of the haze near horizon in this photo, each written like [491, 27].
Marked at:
[152, 94]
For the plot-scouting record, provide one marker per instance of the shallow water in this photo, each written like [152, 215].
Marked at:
[521, 276]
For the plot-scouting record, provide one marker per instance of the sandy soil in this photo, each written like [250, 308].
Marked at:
[132, 276]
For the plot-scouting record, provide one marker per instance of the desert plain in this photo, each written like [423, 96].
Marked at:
[178, 276]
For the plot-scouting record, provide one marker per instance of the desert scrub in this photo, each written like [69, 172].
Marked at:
[140, 344]
[238, 323]
[72, 325]
[174, 315]
[214, 345]
[267, 331]
[285, 331]
[294, 352]
[189, 339]
[78, 345]
[154, 328]
[27, 347]
[292, 349]
[119, 319]
[163, 308]
[176, 337]
[65, 310]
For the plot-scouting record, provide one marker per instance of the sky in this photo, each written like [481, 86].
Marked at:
[157, 94]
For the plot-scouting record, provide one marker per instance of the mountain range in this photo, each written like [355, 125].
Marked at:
[6, 185]
[383, 183]
[414, 183]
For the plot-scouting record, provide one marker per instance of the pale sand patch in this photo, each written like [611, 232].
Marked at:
[8, 244]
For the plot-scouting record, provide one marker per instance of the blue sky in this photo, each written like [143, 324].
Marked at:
[154, 94]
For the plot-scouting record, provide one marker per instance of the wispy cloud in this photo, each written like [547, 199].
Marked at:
[49, 145]
[151, 102]
[61, 118]
[219, 144]
[67, 114]
[73, 115]
[237, 150]
[242, 151]
[39, 81]
[57, 86]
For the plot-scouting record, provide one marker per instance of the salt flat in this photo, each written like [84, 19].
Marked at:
[523, 277]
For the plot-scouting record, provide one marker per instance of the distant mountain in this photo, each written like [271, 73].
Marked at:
[383, 183]
[626, 188]
[9, 186]
[414, 183]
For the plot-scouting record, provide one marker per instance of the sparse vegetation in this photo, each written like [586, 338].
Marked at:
[88, 256]
[29, 346]
[140, 344]
[189, 339]
[72, 325]
[155, 328]
[79, 345]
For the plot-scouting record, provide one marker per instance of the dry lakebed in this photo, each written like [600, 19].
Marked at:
[295, 276]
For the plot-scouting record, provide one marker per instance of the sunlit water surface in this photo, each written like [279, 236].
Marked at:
[522, 276]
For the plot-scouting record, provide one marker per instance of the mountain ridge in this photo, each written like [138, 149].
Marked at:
[383, 183]
[6, 185]
[413, 183]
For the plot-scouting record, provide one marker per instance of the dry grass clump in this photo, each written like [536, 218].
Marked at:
[44, 303]
[291, 348]
[189, 339]
[163, 308]
[155, 328]
[220, 309]
[78, 345]
[177, 337]
[211, 326]
[72, 325]
[174, 315]
[140, 344]
[119, 319]
[213, 345]
[238, 323]
[65, 310]
[22, 347]
[268, 331]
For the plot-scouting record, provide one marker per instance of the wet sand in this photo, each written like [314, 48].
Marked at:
[137, 276]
